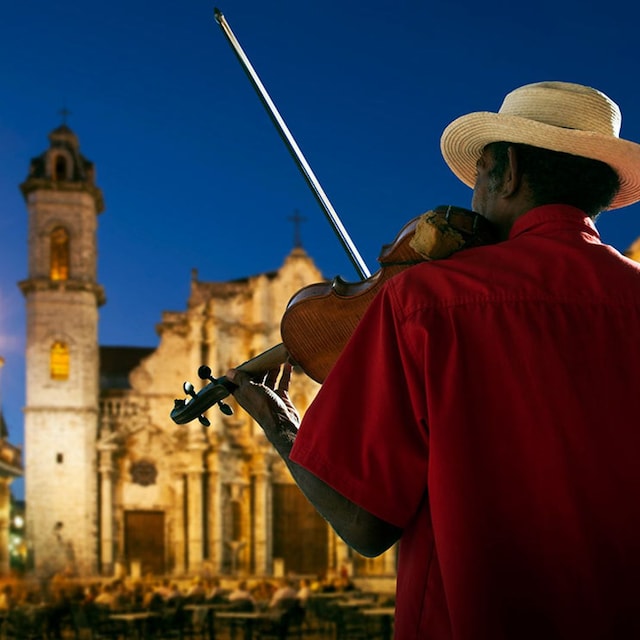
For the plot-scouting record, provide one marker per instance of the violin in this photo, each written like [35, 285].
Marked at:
[320, 318]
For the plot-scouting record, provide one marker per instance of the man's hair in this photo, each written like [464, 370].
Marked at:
[559, 178]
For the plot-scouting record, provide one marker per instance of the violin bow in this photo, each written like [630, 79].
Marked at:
[294, 149]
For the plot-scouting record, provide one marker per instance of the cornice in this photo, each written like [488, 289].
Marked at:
[33, 285]
[34, 184]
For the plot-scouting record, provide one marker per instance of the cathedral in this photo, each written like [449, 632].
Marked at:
[113, 485]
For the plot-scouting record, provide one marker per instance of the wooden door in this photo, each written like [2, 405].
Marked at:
[300, 534]
[144, 540]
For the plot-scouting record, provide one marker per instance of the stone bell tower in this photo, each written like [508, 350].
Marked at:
[62, 357]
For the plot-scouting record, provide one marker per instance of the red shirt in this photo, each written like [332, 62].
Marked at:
[489, 404]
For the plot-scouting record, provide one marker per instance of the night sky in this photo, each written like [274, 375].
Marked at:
[194, 174]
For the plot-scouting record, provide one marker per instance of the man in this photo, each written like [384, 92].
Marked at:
[484, 412]
[284, 593]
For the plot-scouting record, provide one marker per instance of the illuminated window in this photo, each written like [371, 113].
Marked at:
[59, 254]
[59, 361]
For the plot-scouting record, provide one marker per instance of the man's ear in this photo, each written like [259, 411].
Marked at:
[512, 179]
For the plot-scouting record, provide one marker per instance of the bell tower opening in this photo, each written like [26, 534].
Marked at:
[60, 168]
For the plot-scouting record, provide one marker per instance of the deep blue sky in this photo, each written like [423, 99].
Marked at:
[192, 170]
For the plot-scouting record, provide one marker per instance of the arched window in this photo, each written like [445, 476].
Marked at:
[59, 254]
[60, 168]
[59, 361]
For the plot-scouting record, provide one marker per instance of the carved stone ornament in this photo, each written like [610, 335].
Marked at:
[143, 472]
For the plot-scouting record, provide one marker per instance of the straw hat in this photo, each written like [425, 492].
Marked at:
[560, 116]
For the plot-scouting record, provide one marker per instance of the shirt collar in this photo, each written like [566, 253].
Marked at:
[554, 217]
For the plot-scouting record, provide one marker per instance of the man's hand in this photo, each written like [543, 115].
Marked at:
[268, 402]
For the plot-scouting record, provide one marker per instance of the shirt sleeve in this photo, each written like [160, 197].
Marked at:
[365, 433]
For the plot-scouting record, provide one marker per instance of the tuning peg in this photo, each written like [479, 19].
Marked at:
[225, 408]
[204, 373]
[190, 390]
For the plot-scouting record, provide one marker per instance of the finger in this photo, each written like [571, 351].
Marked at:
[285, 378]
[271, 377]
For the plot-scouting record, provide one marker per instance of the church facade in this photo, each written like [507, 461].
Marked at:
[113, 485]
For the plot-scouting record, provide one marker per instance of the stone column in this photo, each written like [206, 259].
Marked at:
[214, 513]
[5, 517]
[262, 550]
[178, 518]
[343, 558]
[194, 518]
[195, 522]
[331, 548]
[390, 563]
[105, 471]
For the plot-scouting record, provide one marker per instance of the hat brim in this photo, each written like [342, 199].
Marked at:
[464, 139]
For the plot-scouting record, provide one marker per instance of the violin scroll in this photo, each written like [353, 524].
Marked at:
[194, 406]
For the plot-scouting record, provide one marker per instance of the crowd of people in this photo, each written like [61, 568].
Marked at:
[57, 598]
[119, 594]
